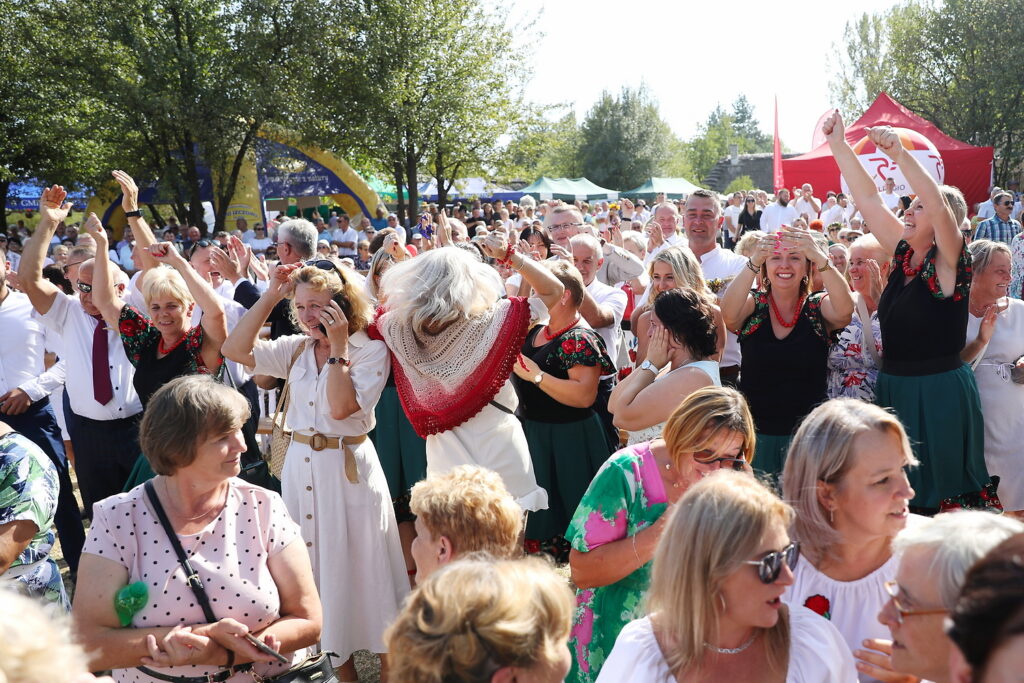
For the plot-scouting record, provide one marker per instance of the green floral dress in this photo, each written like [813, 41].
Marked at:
[626, 496]
[28, 491]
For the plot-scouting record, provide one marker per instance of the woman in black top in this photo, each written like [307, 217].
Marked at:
[556, 378]
[785, 331]
[923, 314]
[749, 218]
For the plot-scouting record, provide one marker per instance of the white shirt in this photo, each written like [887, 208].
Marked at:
[733, 213]
[23, 342]
[350, 235]
[233, 312]
[261, 244]
[75, 328]
[892, 200]
[986, 209]
[836, 214]
[775, 215]
[723, 264]
[805, 207]
[248, 236]
[309, 409]
[606, 295]
[817, 653]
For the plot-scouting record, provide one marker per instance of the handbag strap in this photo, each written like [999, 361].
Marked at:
[867, 331]
[282, 404]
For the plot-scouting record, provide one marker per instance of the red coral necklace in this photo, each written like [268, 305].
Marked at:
[549, 335]
[778, 315]
[165, 351]
[909, 270]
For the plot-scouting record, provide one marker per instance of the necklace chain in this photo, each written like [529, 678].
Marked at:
[167, 490]
[731, 650]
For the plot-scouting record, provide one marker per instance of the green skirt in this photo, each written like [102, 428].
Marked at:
[942, 416]
[770, 455]
[565, 459]
[402, 452]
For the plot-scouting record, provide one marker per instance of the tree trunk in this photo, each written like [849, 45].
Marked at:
[413, 185]
[227, 191]
[195, 208]
[439, 176]
[5, 186]
[399, 175]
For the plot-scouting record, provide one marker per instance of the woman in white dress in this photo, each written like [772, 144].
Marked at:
[684, 338]
[715, 607]
[845, 477]
[454, 336]
[995, 346]
[332, 482]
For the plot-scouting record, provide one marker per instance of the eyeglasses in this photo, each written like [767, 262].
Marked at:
[65, 267]
[893, 589]
[707, 457]
[83, 287]
[201, 243]
[326, 264]
[564, 226]
[770, 566]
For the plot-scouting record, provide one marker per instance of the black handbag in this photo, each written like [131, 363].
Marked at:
[316, 668]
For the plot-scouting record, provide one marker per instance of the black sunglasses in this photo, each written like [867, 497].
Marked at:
[83, 287]
[200, 243]
[750, 201]
[770, 566]
[65, 267]
[1006, 204]
[326, 264]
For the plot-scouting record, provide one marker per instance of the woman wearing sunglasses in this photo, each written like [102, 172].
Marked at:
[617, 524]
[715, 609]
[846, 478]
[332, 482]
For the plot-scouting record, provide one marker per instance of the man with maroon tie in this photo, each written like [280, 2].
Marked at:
[102, 407]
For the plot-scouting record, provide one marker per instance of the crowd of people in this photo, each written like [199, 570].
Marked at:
[770, 438]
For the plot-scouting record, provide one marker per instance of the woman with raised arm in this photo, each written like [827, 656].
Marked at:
[785, 331]
[923, 312]
[454, 337]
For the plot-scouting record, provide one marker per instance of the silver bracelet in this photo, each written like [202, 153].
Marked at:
[635, 553]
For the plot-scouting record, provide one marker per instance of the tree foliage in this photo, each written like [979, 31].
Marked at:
[542, 147]
[955, 62]
[721, 130]
[740, 184]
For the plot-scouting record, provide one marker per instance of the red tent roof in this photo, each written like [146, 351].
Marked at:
[967, 167]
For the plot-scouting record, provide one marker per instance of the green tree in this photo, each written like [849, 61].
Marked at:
[542, 147]
[748, 129]
[721, 130]
[741, 184]
[954, 62]
[624, 140]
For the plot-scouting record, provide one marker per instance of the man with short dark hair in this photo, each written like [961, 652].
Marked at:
[778, 213]
[1001, 227]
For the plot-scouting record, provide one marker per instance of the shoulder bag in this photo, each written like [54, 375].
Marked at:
[280, 436]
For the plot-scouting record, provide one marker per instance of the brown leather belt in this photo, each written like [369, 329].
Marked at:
[320, 442]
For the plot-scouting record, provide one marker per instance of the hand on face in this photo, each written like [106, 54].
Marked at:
[658, 349]
[799, 240]
[335, 323]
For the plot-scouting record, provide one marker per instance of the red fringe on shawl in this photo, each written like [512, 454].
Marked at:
[433, 417]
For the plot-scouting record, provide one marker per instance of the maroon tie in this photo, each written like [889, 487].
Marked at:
[102, 389]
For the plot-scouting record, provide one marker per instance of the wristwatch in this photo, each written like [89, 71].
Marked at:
[137, 213]
[648, 365]
[334, 360]
[537, 380]
[827, 266]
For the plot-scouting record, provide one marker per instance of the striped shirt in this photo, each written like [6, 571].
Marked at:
[997, 229]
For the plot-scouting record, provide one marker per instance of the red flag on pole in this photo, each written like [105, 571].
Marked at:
[777, 178]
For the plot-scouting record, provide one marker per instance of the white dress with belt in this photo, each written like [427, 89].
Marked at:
[349, 528]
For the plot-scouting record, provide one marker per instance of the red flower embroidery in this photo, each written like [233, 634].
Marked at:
[819, 604]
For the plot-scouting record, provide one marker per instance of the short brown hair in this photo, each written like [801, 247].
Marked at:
[470, 506]
[570, 278]
[196, 406]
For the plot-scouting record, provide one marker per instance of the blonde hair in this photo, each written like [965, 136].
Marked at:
[748, 243]
[716, 526]
[470, 506]
[685, 269]
[982, 251]
[339, 280]
[35, 643]
[705, 414]
[822, 451]
[870, 243]
[955, 201]
[432, 291]
[165, 281]
[194, 406]
[476, 616]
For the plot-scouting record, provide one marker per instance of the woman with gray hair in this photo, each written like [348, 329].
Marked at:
[845, 478]
[935, 556]
[454, 337]
[995, 350]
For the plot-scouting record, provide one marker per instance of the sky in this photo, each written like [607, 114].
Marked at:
[758, 48]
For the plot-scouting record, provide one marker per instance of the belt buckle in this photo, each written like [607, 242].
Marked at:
[318, 442]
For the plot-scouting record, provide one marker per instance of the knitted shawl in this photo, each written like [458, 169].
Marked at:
[445, 380]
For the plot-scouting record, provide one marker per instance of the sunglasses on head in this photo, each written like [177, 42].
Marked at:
[201, 243]
[770, 566]
[326, 264]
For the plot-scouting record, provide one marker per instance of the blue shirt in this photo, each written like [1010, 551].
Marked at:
[999, 230]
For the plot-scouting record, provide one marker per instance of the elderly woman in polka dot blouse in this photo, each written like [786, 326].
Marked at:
[242, 544]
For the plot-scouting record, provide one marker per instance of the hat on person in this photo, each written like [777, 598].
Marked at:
[322, 243]
[392, 215]
[417, 236]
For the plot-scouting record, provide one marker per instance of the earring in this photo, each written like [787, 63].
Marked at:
[831, 516]
[722, 599]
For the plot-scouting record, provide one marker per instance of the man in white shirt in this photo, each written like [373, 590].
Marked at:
[345, 237]
[602, 309]
[701, 221]
[104, 409]
[778, 213]
[890, 196]
[808, 205]
[25, 387]
[730, 221]
[987, 208]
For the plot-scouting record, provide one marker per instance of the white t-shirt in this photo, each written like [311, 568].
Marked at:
[606, 295]
[260, 245]
[733, 213]
[836, 214]
[350, 235]
[817, 653]
[723, 264]
[775, 215]
[805, 207]
[891, 200]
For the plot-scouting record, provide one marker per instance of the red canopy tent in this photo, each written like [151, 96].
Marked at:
[967, 167]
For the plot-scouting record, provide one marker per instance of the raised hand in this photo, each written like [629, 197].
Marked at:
[495, 244]
[875, 284]
[129, 191]
[52, 206]
[886, 140]
[280, 284]
[833, 128]
[95, 228]
[166, 252]
[225, 264]
[335, 324]
[444, 228]
[801, 241]
[658, 347]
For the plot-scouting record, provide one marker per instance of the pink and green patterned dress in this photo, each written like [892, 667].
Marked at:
[626, 496]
